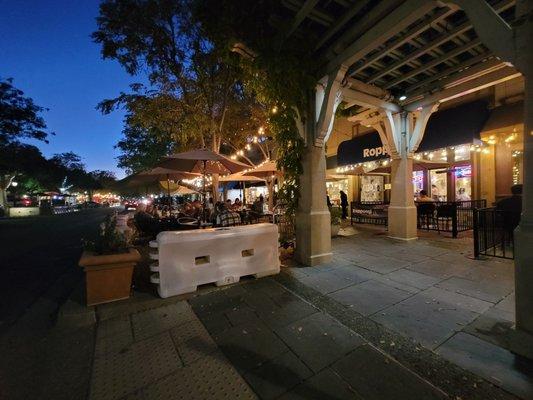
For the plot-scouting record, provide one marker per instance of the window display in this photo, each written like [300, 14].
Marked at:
[463, 183]
[333, 188]
[372, 188]
[418, 181]
[437, 178]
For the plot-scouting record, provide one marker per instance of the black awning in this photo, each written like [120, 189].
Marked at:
[505, 116]
[451, 127]
[360, 149]
[331, 162]
[455, 126]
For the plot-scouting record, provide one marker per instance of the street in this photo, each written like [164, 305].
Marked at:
[35, 253]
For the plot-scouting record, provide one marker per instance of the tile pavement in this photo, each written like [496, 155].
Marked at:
[161, 353]
[432, 292]
[307, 334]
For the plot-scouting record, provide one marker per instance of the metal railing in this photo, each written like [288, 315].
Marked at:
[369, 212]
[493, 232]
[448, 216]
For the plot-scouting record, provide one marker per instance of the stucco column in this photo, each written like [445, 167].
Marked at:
[313, 228]
[524, 232]
[402, 210]
[522, 341]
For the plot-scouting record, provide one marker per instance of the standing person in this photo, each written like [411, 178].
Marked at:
[512, 208]
[328, 201]
[435, 193]
[344, 204]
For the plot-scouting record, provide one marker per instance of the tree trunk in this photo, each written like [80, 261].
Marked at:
[5, 182]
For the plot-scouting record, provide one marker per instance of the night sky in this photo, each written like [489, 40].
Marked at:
[45, 47]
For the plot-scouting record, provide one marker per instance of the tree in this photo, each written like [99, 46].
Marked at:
[104, 179]
[68, 160]
[195, 96]
[16, 159]
[142, 148]
[19, 119]
[19, 115]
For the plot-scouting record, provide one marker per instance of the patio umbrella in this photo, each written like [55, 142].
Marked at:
[183, 190]
[162, 174]
[202, 161]
[240, 177]
[269, 171]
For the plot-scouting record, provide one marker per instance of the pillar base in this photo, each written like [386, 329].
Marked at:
[402, 223]
[313, 238]
[521, 343]
[523, 238]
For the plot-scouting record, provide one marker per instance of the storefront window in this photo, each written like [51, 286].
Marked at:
[463, 183]
[334, 188]
[372, 188]
[518, 159]
[418, 182]
[462, 153]
[438, 180]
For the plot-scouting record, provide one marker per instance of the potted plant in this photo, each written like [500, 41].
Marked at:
[108, 263]
[336, 214]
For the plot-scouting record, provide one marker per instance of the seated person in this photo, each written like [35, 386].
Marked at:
[145, 221]
[237, 204]
[229, 206]
[226, 217]
[423, 197]
[188, 209]
[257, 206]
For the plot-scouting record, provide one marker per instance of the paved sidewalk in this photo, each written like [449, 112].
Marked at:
[430, 291]
[161, 353]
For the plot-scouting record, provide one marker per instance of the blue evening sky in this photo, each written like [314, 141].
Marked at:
[45, 47]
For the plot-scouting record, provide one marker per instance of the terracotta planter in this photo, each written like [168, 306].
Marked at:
[108, 277]
[335, 230]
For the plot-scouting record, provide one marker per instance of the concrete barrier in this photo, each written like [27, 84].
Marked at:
[186, 259]
[23, 211]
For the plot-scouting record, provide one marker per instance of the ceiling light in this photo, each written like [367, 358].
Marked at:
[402, 97]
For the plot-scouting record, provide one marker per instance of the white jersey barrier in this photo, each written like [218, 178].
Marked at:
[186, 259]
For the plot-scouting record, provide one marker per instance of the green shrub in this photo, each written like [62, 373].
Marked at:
[109, 240]
[336, 215]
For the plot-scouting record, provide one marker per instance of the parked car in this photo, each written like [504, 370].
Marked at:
[130, 205]
[91, 204]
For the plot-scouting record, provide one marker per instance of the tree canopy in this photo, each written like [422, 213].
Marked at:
[19, 116]
[195, 96]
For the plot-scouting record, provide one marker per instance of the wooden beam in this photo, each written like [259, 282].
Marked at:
[447, 72]
[301, 15]
[468, 73]
[410, 34]
[484, 81]
[422, 50]
[392, 24]
[433, 63]
[358, 6]
[353, 97]
[495, 33]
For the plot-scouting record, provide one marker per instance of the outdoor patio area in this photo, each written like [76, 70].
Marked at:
[384, 318]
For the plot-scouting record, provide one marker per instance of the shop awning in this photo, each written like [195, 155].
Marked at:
[450, 127]
[505, 116]
[360, 149]
[455, 126]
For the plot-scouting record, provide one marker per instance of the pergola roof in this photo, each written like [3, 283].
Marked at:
[408, 47]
